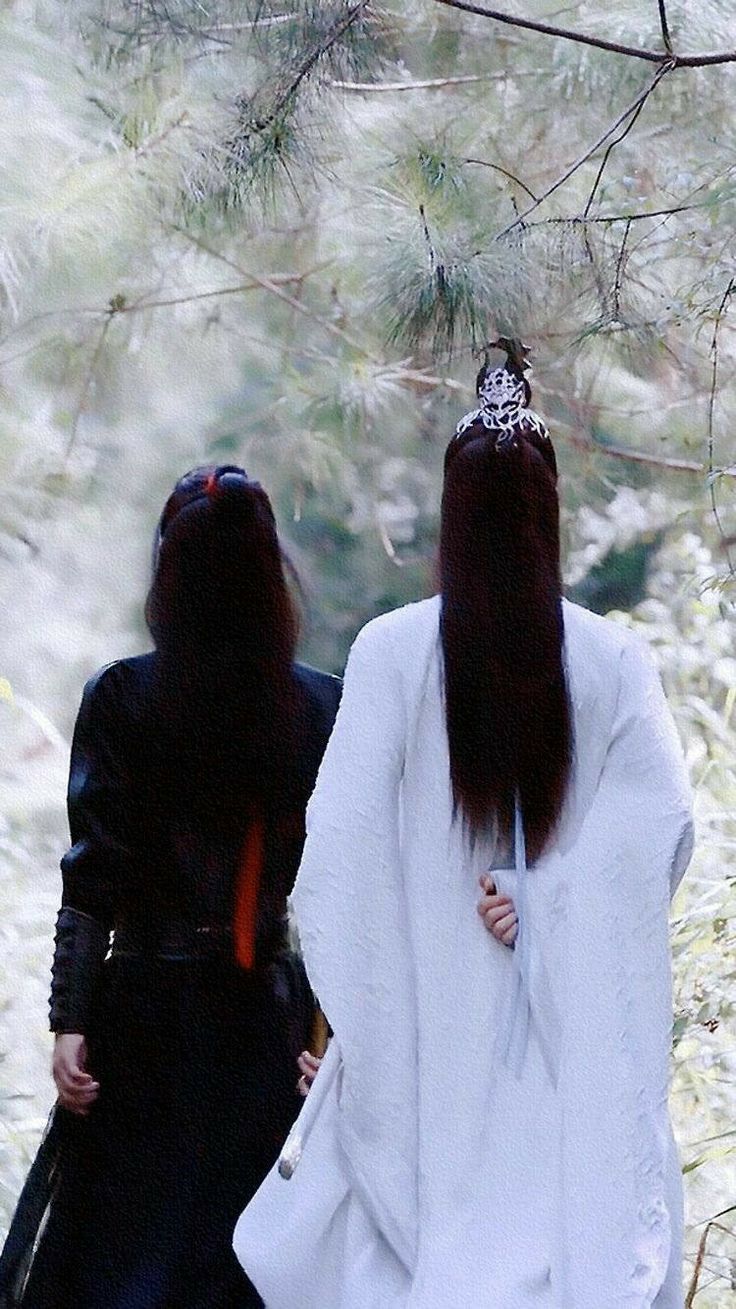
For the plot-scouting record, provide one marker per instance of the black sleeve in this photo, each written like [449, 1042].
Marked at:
[336, 688]
[330, 694]
[101, 819]
[95, 867]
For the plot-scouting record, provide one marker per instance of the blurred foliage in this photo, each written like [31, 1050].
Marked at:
[277, 233]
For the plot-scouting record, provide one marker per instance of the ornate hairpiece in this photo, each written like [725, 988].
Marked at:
[504, 394]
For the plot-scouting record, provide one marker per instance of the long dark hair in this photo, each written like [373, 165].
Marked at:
[225, 628]
[508, 713]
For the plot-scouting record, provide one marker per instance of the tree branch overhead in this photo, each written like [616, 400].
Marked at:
[581, 38]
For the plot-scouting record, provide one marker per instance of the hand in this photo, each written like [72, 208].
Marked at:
[77, 1090]
[498, 912]
[309, 1066]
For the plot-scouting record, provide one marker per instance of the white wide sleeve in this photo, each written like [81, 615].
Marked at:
[351, 916]
[620, 1212]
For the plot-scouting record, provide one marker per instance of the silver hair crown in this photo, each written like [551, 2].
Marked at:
[503, 393]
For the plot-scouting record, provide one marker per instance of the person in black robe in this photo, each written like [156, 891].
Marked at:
[177, 1045]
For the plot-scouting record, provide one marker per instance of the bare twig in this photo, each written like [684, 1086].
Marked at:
[87, 383]
[671, 465]
[415, 377]
[120, 306]
[700, 1256]
[428, 84]
[219, 32]
[147, 146]
[687, 199]
[612, 146]
[581, 38]
[427, 238]
[279, 279]
[619, 271]
[484, 163]
[582, 159]
[584, 219]
[411, 376]
[387, 543]
[722, 308]
[665, 26]
[273, 20]
[268, 285]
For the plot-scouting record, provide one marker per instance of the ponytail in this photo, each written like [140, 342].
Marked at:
[509, 721]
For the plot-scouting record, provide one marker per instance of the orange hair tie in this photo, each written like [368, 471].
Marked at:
[246, 893]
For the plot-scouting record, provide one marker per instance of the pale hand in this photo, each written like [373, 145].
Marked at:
[77, 1090]
[498, 912]
[309, 1066]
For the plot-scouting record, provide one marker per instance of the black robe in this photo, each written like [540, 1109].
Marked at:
[195, 1057]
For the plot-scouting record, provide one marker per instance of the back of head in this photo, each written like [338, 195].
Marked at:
[508, 714]
[225, 629]
[218, 568]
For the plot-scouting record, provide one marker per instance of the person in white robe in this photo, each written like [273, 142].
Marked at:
[489, 1128]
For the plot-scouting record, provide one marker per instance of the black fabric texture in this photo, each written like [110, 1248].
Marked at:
[133, 1207]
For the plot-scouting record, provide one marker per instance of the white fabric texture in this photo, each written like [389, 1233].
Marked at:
[434, 1176]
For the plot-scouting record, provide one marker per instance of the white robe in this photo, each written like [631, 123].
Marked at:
[436, 1176]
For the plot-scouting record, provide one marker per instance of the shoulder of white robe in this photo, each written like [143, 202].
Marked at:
[400, 627]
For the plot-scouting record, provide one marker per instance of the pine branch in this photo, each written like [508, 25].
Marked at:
[581, 38]
[633, 108]
[712, 477]
[334, 39]
[310, 62]
[412, 376]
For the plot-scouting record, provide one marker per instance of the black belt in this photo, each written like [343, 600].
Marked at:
[183, 941]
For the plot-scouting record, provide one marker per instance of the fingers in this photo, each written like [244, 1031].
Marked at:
[499, 915]
[78, 1102]
[499, 922]
[309, 1065]
[80, 1078]
[494, 904]
[487, 884]
[79, 1092]
[72, 1081]
[77, 1089]
[505, 929]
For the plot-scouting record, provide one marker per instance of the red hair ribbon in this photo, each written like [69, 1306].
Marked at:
[246, 893]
